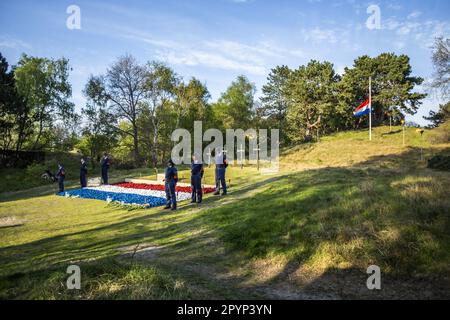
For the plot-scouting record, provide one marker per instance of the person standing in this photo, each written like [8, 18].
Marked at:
[197, 172]
[170, 184]
[221, 166]
[105, 168]
[83, 173]
[60, 175]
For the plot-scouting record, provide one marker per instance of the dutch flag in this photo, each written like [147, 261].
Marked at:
[363, 109]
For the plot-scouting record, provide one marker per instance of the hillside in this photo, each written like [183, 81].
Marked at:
[353, 149]
[309, 232]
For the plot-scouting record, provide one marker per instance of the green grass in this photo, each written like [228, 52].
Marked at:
[308, 232]
[344, 217]
[107, 279]
[353, 148]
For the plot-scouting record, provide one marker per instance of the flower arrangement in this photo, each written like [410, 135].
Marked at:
[160, 187]
[135, 194]
[126, 198]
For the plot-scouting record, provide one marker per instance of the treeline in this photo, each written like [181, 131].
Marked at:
[34, 103]
[134, 107]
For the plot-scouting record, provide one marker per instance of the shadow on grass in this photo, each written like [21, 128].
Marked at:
[101, 279]
[391, 133]
[46, 189]
[11, 226]
[333, 221]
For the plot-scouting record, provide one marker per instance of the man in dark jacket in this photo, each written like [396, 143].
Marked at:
[105, 168]
[83, 173]
[60, 175]
[171, 180]
[196, 179]
[221, 166]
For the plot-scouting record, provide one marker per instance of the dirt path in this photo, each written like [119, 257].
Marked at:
[214, 282]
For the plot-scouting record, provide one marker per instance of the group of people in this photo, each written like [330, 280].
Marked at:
[171, 177]
[61, 173]
[197, 172]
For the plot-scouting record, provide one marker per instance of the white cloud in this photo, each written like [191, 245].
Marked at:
[399, 45]
[278, 50]
[240, 51]
[215, 53]
[192, 57]
[229, 55]
[343, 36]
[340, 69]
[394, 6]
[423, 33]
[13, 43]
[320, 35]
[414, 14]
[408, 27]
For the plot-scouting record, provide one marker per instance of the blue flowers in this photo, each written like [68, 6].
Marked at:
[126, 198]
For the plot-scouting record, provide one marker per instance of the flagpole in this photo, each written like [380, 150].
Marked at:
[370, 108]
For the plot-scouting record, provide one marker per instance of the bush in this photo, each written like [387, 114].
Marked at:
[125, 166]
[439, 162]
[440, 134]
[35, 170]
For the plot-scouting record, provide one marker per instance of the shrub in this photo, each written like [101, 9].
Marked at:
[35, 170]
[439, 162]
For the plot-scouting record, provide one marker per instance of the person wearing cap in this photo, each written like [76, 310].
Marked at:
[60, 175]
[170, 184]
[221, 166]
[83, 173]
[105, 168]
[197, 172]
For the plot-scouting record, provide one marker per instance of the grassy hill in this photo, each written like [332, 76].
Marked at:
[386, 150]
[309, 232]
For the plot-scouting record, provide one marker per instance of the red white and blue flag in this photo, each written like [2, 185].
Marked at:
[363, 109]
[138, 194]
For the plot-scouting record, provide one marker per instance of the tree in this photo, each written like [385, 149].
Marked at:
[122, 90]
[123, 149]
[44, 85]
[8, 101]
[439, 117]
[392, 85]
[98, 133]
[235, 108]
[274, 102]
[63, 138]
[441, 62]
[160, 85]
[311, 96]
[192, 104]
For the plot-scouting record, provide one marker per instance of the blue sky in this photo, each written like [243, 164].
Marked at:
[217, 40]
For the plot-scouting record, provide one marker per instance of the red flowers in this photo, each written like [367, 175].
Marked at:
[158, 187]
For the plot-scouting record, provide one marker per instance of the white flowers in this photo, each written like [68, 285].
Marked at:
[181, 196]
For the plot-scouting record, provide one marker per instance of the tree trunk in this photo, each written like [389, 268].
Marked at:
[308, 133]
[155, 143]
[136, 145]
[20, 138]
[41, 128]
[310, 126]
[155, 148]
[92, 152]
